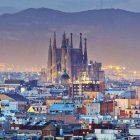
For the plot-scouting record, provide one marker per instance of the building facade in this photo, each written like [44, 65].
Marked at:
[73, 60]
[66, 57]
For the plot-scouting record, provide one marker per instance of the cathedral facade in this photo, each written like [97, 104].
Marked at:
[66, 57]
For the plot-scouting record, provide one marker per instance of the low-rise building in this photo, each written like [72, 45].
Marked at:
[37, 108]
[106, 134]
[67, 108]
[43, 128]
[92, 108]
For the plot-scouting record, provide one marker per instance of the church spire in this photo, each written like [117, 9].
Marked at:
[49, 69]
[67, 42]
[69, 62]
[50, 44]
[64, 41]
[71, 40]
[85, 52]
[80, 45]
[63, 52]
[54, 41]
[54, 60]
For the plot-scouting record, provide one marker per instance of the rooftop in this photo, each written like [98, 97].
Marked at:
[62, 107]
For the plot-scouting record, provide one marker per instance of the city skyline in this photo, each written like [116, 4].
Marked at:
[69, 69]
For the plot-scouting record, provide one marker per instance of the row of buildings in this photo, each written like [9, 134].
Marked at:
[70, 100]
[50, 112]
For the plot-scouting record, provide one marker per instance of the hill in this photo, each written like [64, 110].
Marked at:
[113, 35]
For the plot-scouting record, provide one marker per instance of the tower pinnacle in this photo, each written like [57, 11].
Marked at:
[49, 69]
[54, 41]
[64, 41]
[85, 52]
[50, 45]
[71, 40]
[80, 45]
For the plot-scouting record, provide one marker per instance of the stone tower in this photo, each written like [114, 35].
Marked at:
[64, 51]
[54, 60]
[69, 60]
[49, 72]
[85, 59]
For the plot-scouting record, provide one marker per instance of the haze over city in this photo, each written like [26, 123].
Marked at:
[69, 69]
[110, 32]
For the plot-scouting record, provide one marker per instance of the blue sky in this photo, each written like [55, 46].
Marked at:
[73, 5]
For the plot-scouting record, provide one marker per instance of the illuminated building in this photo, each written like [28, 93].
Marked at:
[68, 58]
[73, 60]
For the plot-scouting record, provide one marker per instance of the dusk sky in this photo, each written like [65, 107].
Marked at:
[73, 5]
[109, 36]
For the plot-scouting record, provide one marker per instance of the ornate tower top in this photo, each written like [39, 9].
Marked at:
[67, 42]
[64, 41]
[49, 68]
[85, 52]
[71, 40]
[54, 41]
[50, 44]
[80, 45]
